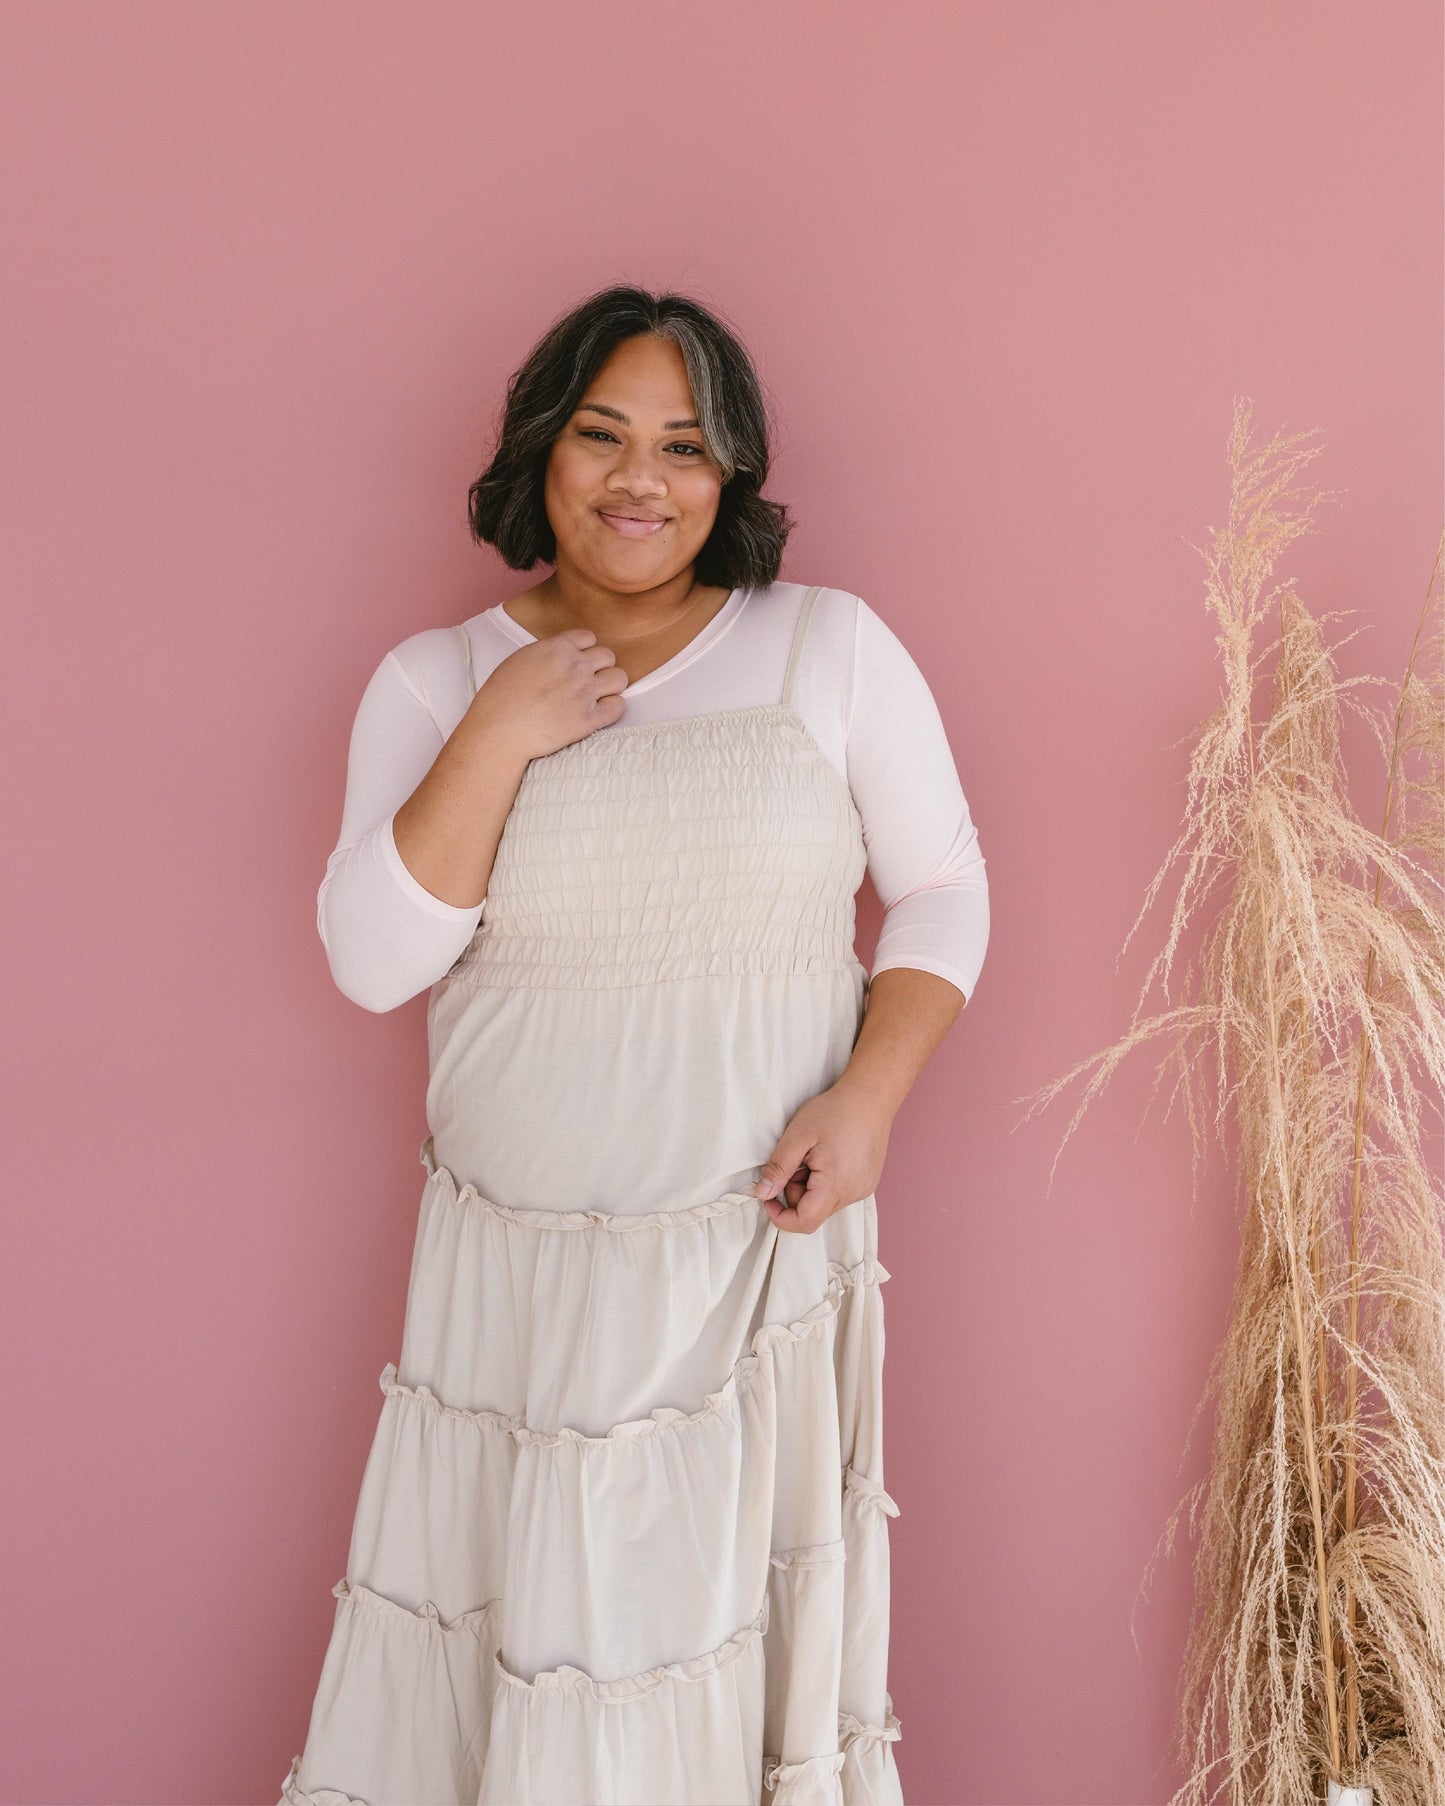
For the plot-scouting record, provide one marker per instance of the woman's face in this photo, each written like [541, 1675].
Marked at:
[631, 493]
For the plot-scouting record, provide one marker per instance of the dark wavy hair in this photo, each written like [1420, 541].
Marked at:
[506, 505]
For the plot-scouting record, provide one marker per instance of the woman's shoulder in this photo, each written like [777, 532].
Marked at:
[835, 610]
[851, 614]
[440, 665]
[835, 607]
[856, 646]
[830, 599]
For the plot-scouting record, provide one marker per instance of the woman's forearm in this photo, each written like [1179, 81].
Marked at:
[908, 1012]
[448, 829]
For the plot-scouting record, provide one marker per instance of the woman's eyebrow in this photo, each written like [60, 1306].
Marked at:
[598, 407]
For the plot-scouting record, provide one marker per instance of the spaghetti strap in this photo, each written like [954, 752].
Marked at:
[800, 633]
[466, 639]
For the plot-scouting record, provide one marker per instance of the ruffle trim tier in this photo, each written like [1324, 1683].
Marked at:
[745, 1372]
[292, 1793]
[475, 1623]
[457, 1660]
[800, 1783]
[871, 1492]
[853, 1730]
[857, 1771]
[466, 1194]
[784, 1783]
[636, 1686]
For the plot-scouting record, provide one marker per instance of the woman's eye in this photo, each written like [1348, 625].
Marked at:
[685, 445]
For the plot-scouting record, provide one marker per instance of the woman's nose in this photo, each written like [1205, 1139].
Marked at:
[638, 473]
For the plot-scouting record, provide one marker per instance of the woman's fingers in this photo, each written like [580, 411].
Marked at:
[786, 1162]
[813, 1204]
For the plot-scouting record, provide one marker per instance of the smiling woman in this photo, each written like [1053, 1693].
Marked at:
[623, 1533]
[636, 497]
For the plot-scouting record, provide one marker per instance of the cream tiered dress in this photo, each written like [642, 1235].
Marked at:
[622, 1538]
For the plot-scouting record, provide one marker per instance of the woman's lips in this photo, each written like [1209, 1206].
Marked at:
[632, 529]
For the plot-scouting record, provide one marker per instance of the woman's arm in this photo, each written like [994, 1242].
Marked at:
[406, 884]
[905, 1015]
[928, 869]
[924, 855]
[424, 811]
[387, 936]
[447, 830]
[832, 1151]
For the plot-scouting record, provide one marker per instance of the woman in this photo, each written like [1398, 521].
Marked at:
[622, 1535]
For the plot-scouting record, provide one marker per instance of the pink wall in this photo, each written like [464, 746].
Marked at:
[1004, 268]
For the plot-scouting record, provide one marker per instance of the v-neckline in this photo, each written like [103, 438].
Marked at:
[698, 644]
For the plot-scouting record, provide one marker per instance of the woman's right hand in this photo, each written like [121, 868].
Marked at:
[540, 698]
[559, 689]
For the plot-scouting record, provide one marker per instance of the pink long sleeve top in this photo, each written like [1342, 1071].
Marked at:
[857, 689]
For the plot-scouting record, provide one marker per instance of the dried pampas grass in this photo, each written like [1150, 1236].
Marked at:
[1317, 1644]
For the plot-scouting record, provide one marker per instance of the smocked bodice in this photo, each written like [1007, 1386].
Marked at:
[723, 843]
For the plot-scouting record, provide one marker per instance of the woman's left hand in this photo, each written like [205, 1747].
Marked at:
[829, 1155]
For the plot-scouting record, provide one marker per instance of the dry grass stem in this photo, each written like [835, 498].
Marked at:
[1308, 1038]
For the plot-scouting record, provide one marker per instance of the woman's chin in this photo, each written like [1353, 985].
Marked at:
[631, 566]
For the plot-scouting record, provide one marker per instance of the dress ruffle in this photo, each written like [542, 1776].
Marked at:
[634, 1686]
[746, 1373]
[463, 1196]
[857, 1772]
[466, 1508]
[292, 1793]
[470, 1511]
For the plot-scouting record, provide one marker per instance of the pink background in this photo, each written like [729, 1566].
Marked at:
[1004, 268]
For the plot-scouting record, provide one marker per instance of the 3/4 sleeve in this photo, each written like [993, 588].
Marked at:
[923, 849]
[386, 937]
